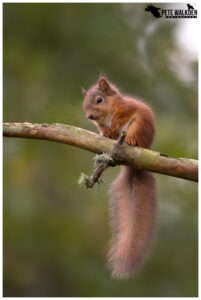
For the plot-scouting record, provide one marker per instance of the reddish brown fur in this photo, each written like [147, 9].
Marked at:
[133, 193]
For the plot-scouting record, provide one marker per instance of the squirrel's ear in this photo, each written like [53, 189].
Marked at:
[104, 86]
[84, 92]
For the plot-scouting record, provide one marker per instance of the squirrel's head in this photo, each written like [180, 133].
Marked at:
[99, 100]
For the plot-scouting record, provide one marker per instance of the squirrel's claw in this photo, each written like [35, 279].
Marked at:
[130, 141]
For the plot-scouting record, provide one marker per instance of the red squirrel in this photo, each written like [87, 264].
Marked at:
[133, 202]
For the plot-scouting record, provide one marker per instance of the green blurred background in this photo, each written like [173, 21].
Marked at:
[56, 234]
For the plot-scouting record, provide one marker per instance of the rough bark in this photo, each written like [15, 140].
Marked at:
[136, 157]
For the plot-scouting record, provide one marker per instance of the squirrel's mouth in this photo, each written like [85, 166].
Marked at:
[92, 117]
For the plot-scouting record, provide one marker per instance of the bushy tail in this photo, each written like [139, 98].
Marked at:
[133, 208]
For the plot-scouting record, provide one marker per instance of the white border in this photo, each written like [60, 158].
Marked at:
[80, 1]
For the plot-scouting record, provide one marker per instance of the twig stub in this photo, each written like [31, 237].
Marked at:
[103, 161]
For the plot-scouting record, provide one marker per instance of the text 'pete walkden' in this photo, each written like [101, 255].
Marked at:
[179, 13]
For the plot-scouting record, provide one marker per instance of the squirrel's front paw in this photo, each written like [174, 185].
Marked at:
[130, 140]
[107, 132]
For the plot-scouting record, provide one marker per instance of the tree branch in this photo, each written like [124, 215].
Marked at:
[136, 157]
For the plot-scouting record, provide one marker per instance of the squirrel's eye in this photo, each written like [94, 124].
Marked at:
[99, 100]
